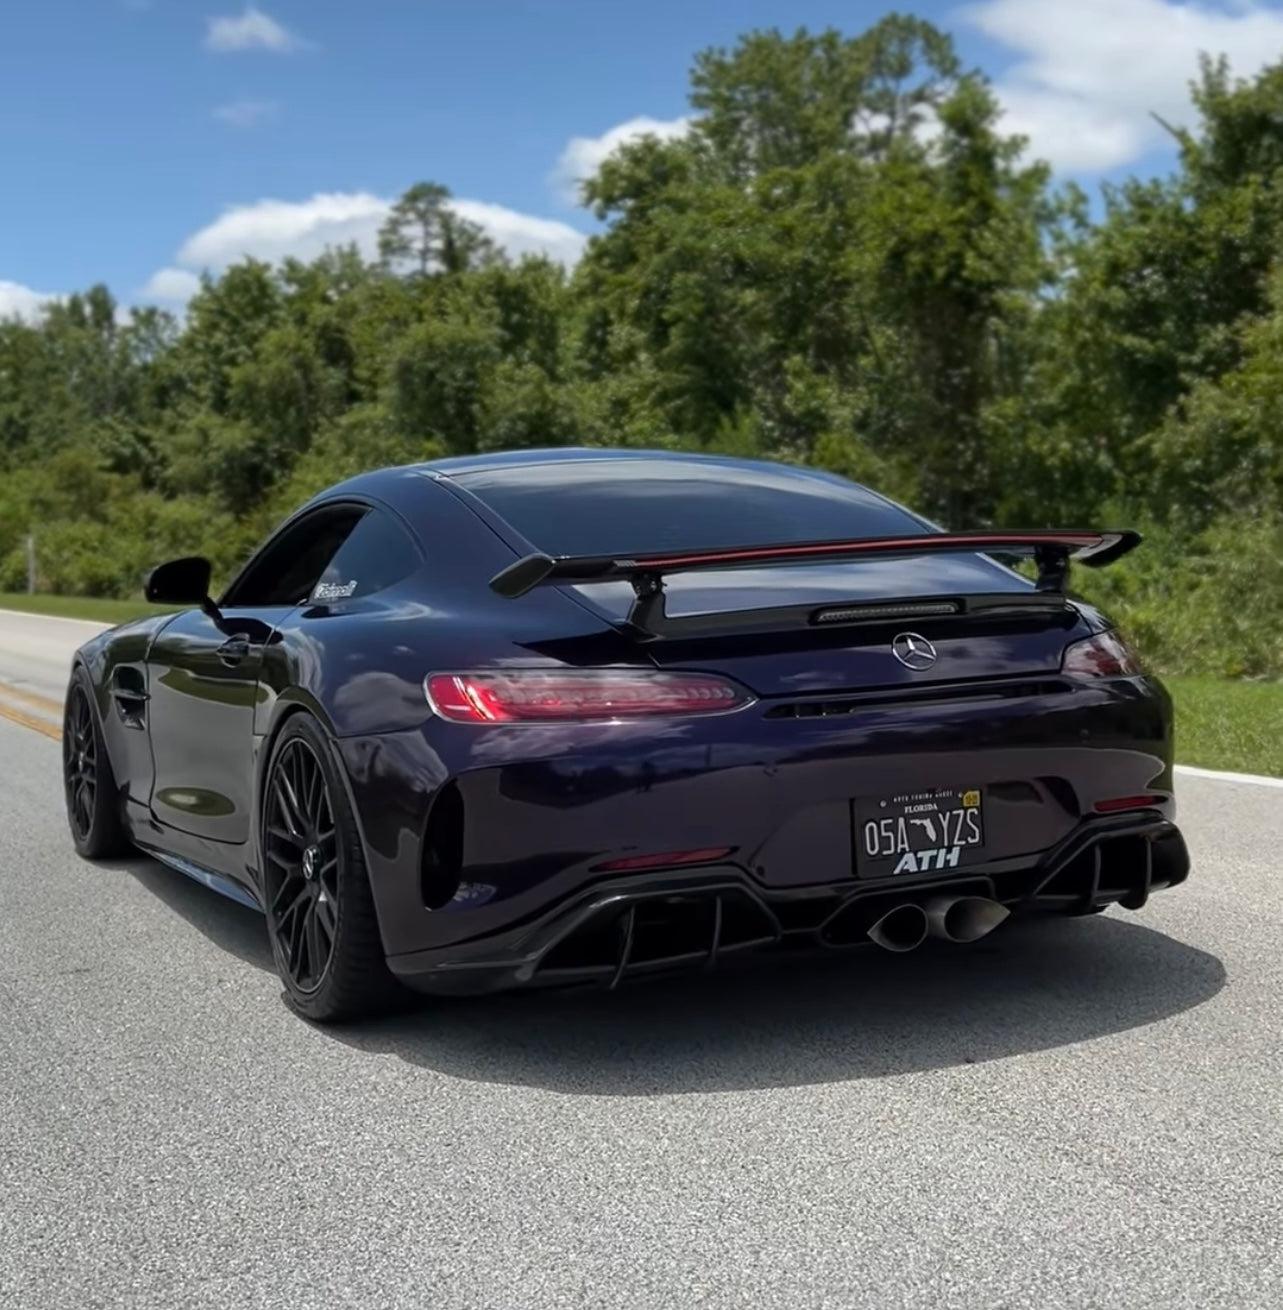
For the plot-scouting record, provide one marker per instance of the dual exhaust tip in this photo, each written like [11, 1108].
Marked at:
[958, 919]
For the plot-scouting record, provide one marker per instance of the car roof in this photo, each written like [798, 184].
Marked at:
[461, 467]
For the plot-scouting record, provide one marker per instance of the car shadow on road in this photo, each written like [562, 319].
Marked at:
[233, 928]
[1033, 986]
[776, 1022]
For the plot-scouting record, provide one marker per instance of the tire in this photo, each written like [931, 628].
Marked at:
[320, 912]
[89, 785]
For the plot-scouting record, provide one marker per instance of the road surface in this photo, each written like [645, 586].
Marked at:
[35, 658]
[1068, 1114]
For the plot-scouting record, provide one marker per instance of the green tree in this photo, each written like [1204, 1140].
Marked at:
[423, 235]
[844, 220]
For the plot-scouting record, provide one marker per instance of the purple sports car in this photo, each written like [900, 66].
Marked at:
[575, 716]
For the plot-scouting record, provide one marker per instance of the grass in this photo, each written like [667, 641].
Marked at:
[95, 609]
[1219, 724]
[1229, 725]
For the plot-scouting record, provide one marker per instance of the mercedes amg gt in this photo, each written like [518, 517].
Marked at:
[577, 716]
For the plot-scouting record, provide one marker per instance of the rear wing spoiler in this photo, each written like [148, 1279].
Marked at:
[1051, 550]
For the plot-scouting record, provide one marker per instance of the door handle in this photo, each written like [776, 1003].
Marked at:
[233, 650]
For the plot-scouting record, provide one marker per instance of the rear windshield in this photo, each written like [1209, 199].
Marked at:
[608, 507]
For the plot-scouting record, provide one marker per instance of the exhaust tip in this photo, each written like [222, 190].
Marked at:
[901, 929]
[964, 919]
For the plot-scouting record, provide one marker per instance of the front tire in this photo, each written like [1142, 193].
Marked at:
[93, 799]
[320, 912]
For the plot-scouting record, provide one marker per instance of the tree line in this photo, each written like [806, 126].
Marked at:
[845, 262]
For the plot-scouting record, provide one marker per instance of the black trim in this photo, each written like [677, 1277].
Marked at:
[1051, 550]
[595, 937]
[650, 622]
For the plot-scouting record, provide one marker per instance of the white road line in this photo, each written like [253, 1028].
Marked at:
[57, 618]
[1256, 779]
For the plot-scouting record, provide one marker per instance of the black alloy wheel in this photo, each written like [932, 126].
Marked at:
[320, 913]
[80, 763]
[302, 865]
[93, 800]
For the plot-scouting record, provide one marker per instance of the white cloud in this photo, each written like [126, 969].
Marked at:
[524, 234]
[17, 301]
[245, 113]
[252, 30]
[273, 230]
[1090, 74]
[584, 155]
[176, 285]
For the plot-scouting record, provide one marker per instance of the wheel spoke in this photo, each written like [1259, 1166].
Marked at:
[284, 835]
[298, 788]
[281, 861]
[85, 802]
[313, 790]
[326, 918]
[292, 887]
[315, 958]
[287, 799]
[294, 952]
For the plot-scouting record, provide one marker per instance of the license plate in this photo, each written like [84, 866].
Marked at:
[919, 832]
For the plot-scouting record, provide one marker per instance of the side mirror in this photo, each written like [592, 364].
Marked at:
[180, 582]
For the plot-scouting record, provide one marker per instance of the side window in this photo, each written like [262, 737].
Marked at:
[291, 564]
[377, 553]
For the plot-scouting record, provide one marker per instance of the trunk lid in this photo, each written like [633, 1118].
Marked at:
[817, 660]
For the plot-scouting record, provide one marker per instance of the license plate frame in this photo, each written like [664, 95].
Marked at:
[907, 828]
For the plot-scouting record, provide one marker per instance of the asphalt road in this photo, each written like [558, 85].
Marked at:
[35, 654]
[1069, 1114]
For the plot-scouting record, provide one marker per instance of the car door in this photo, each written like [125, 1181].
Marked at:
[203, 679]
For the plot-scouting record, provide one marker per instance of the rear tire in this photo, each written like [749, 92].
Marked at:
[320, 911]
[89, 785]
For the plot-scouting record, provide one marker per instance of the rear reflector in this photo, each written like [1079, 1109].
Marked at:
[664, 859]
[577, 696]
[1116, 803]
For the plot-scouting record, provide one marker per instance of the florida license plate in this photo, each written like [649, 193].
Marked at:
[919, 832]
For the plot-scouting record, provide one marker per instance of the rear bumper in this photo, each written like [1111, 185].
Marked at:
[699, 920]
[472, 834]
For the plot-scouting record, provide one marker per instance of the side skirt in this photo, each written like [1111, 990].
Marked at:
[218, 882]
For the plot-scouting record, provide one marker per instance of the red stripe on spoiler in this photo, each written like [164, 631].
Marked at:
[877, 546]
[1052, 547]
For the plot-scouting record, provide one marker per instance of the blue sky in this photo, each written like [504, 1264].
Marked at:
[142, 141]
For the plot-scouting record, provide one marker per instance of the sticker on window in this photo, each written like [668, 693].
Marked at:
[334, 590]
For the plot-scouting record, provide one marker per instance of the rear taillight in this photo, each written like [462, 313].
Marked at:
[577, 696]
[1106, 655]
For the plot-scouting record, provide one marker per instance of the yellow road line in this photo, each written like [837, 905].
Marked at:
[34, 699]
[51, 730]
